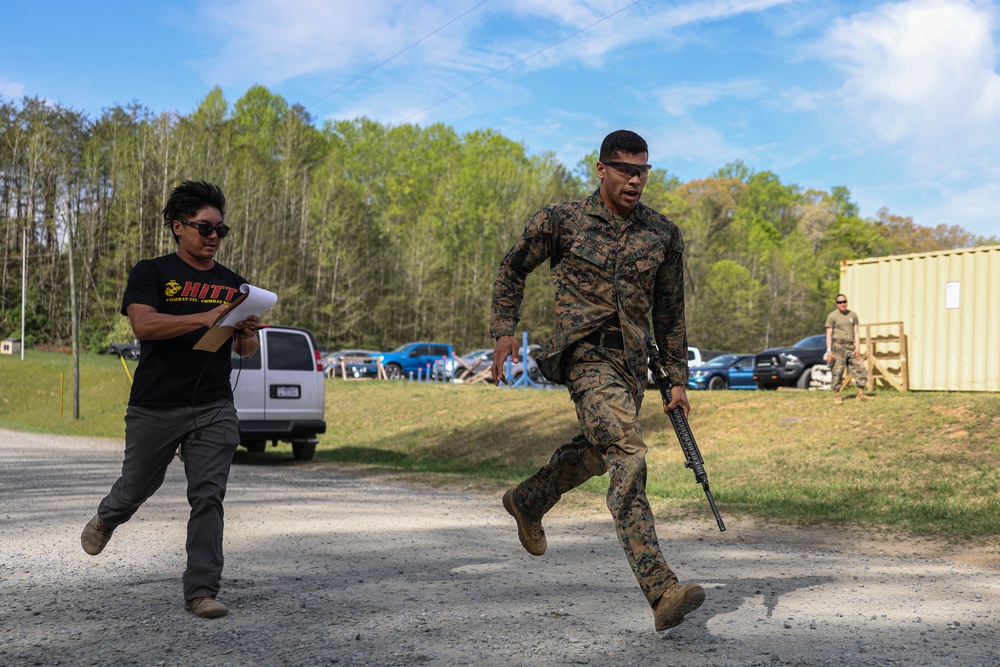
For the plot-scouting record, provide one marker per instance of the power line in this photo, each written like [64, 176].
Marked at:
[399, 53]
[522, 60]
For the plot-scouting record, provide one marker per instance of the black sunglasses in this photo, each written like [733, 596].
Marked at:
[629, 169]
[206, 229]
[841, 302]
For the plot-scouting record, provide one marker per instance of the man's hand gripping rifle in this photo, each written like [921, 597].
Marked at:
[692, 456]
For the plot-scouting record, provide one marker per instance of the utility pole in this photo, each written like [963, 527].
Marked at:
[74, 318]
[24, 283]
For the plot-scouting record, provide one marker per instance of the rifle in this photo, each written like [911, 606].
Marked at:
[692, 455]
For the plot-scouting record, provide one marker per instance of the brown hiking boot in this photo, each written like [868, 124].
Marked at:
[96, 536]
[531, 533]
[206, 607]
[679, 600]
[837, 399]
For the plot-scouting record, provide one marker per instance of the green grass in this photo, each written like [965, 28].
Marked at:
[36, 394]
[924, 463]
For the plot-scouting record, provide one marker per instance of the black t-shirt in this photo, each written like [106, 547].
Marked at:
[170, 372]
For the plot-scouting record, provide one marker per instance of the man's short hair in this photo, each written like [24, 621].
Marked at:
[622, 141]
[190, 197]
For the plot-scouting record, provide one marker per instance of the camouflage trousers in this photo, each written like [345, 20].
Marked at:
[843, 357]
[607, 402]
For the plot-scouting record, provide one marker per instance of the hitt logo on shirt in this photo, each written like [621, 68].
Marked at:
[199, 292]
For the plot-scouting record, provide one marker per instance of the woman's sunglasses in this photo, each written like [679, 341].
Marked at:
[206, 229]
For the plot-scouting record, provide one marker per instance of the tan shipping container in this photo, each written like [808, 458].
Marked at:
[949, 306]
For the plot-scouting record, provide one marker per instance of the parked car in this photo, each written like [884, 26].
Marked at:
[471, 363]
[696, 357]
[790, 366]
[125, 350]
[279, 392]
[332, 362]
[534, 372]
[412, 357]
[727, 371]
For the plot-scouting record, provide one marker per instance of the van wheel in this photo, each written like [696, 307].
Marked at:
[303, 451]
[717, 382]
[255, 446]
[394, 371]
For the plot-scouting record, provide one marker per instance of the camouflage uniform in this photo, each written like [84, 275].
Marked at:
[841, 328]
[608, 273]
[843, 355]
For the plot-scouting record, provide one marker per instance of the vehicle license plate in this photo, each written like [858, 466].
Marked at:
[286, 391]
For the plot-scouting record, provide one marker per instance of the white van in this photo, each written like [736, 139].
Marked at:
[280, 392]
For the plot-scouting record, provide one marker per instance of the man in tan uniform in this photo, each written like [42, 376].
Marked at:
[843, 343]
[613, 261]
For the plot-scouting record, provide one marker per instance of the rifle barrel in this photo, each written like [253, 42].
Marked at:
[692, 455]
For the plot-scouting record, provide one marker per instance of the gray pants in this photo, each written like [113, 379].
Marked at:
[208, 436]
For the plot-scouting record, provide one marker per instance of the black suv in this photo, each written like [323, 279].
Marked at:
[789, 366]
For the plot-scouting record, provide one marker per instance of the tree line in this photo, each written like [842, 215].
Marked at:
[375, 235]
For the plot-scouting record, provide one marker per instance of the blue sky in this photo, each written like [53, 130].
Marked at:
[897, 101]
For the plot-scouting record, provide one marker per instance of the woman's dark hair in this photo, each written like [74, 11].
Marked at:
[190, 197]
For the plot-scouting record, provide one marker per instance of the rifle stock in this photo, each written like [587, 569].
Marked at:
[692, 455]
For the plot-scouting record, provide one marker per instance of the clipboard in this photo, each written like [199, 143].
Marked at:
[251, 301]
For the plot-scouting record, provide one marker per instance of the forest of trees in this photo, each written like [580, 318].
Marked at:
[374, 235]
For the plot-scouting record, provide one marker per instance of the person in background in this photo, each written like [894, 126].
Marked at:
[843, 345]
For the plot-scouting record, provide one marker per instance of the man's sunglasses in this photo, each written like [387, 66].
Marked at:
[629, 169]
[841, 302]
[206, 229]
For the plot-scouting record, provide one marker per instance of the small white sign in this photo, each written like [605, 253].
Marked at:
[952, 292]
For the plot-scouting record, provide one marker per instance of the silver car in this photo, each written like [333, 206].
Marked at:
[477, 361]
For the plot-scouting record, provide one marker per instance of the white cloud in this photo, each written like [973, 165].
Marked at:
[931, 203]
[974, 209]
[568, 12]
[270, 41]
[923, 69]
[679, 100]
[921, 83]
[632, 23]
[686, 141]
[11, 89]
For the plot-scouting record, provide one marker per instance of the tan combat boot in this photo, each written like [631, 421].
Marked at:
[679, 600]
[531, 533]
[207, 607]
[862, 396]
[837, 400]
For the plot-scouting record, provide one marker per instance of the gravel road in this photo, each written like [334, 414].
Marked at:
[330, 568]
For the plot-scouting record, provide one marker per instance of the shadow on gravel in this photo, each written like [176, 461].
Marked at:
[277, 459]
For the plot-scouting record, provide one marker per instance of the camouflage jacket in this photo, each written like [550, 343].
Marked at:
[599, 272]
